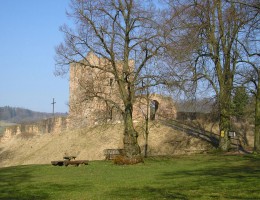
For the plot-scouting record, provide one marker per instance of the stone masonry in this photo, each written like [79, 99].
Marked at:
[86, 83]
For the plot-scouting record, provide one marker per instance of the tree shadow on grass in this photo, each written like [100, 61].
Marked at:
[18, 183]
[193, 131]
[12, 185]
[219, 181]
[147, 192]
[229, 178]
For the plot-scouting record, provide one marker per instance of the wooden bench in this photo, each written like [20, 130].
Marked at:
[69, 160]
[110, 154]
[76, 162]
[57, 163]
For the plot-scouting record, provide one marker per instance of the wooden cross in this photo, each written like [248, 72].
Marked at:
[53, 102]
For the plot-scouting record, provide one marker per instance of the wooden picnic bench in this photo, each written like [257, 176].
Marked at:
[57, 163]
[69, 160]
[110, 154]
[76, 162]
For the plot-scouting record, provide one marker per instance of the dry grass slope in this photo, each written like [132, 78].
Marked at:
[89, 143]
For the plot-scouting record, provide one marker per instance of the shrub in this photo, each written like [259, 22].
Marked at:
[123, 160]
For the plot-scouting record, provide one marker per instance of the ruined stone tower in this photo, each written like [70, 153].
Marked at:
[89, 85]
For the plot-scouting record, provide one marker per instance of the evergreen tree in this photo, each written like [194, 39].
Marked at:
[240, 102]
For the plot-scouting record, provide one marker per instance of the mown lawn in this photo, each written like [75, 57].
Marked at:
[188, 177]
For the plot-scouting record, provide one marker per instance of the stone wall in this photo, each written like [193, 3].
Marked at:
[160, 107]
[52, 125]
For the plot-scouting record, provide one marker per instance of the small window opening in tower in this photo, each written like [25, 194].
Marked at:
[111, 81]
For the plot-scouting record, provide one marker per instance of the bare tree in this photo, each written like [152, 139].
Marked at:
[218, 26]
[249, 73]
[124, 33]
[248, 64]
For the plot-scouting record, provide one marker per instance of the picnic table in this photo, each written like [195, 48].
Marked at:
[69, 157]
[69, 160]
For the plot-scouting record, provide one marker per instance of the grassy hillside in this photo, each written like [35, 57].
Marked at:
[89, 143]
[199, 177]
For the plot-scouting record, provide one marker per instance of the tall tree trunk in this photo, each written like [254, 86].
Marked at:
[147, 121]
[146, 137]
[257, 119]
[224, 106]
[146, 127]
[131, 146]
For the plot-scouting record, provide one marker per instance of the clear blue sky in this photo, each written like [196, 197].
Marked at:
[29, 32]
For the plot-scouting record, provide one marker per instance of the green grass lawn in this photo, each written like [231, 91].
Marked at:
[188, 177]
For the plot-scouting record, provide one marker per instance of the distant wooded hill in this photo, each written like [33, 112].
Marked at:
[20, 115]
